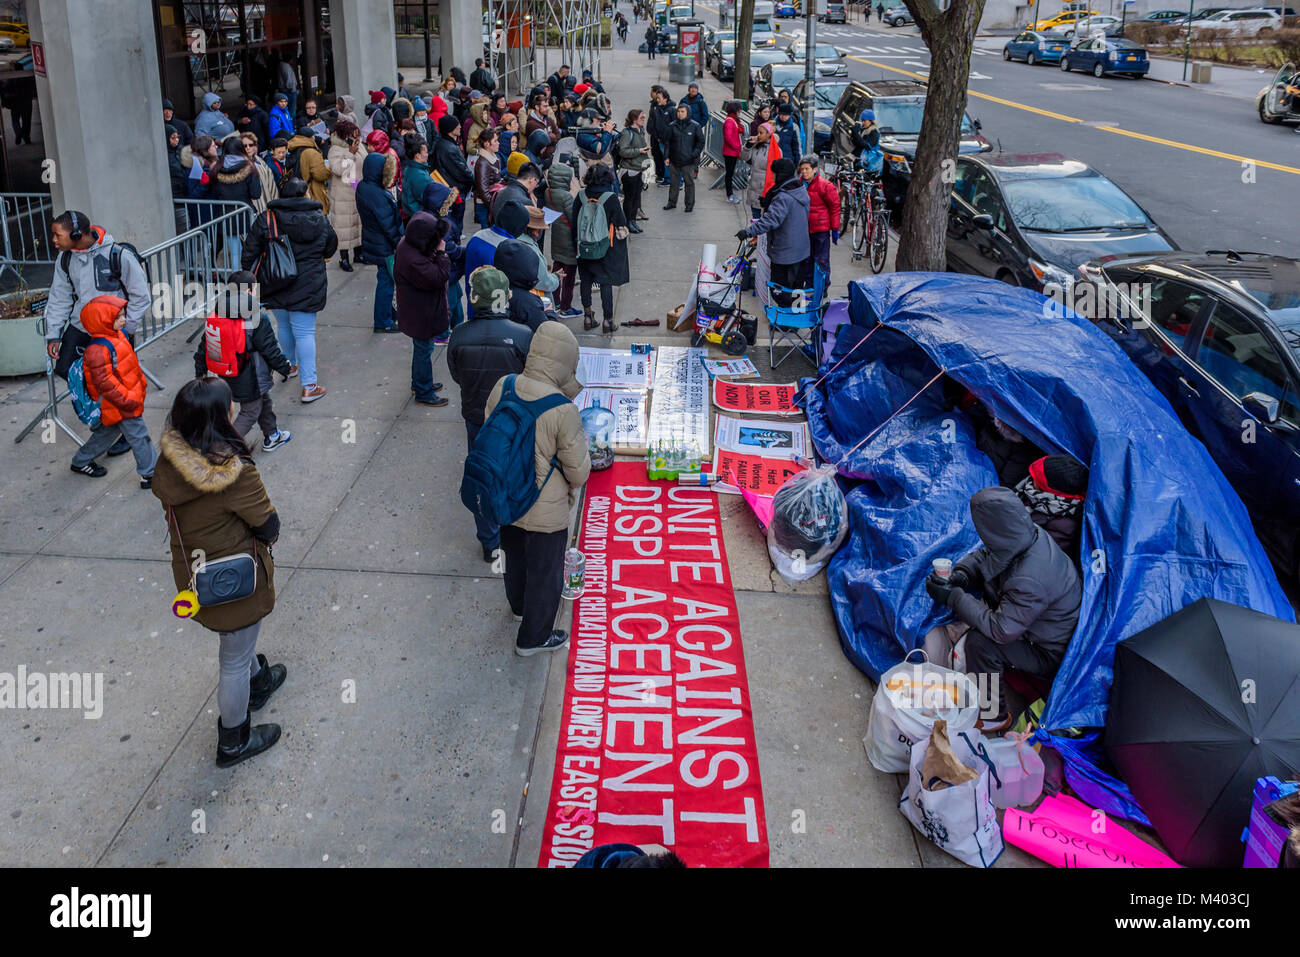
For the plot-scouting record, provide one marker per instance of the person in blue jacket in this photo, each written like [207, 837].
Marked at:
[279, 122]
[787, 133]
[509, 223]
[696, 108]
[381, 229]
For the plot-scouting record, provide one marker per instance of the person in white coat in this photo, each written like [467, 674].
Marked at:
[345, 156]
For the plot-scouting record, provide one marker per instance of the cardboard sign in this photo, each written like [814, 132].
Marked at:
[739, 472]
[770, 398]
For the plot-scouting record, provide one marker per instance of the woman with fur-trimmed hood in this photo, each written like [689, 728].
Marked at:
[378, 142]
[345, 158]
[478, 122]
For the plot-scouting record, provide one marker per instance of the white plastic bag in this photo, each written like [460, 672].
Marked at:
[910, 698]
[960, 819]
[810, 521]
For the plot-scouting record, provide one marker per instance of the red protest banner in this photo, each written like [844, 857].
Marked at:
[753, 472]
[656, 735]
[768, 397]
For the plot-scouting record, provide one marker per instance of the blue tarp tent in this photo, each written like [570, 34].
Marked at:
[1161, 526]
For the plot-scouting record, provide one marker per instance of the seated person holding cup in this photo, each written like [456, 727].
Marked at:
[1031, 595]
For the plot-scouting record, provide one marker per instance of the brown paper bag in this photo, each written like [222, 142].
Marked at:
[677, 323]
[941, 768]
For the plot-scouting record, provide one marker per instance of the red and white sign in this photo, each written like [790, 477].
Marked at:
[768, 397]
[737, 471]
[656, 738]
[38, 58]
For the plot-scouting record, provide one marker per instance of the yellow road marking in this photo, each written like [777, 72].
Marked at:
[1107, 129]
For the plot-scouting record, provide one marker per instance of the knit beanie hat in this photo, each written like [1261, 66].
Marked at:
[1062, 474]
[489, 289]
[782, 170]
[447, 123]
[513, 218]
[421, 106]
[514, 161]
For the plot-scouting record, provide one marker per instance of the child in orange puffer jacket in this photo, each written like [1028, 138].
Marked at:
[113, 379]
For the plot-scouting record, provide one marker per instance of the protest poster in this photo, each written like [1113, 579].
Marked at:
[763, 437]
[769, 398]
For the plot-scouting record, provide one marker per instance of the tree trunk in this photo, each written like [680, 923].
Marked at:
[950, 35]
[744, 28]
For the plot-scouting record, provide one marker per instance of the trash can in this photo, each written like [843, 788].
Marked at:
[681, 68]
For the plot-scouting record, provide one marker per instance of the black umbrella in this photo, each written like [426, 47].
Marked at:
[1203, 703]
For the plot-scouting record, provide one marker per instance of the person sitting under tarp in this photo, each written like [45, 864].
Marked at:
[1053, 492]
[1008, 450]
[1031, 596]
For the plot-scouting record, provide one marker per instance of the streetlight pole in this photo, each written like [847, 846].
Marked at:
[1187, 41]
[428, 49]
[810, 75]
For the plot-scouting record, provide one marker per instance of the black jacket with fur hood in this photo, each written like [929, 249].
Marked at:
[238, 183]
[222, 509]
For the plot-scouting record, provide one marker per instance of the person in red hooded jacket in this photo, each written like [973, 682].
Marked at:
[115, 381]
[823, 218]
[378, 142]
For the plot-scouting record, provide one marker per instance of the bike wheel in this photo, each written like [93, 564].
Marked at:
[879, 240]
[860, 226]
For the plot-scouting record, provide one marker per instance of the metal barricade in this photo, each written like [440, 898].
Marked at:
[184, 274]
[25, 228]
[713, 151]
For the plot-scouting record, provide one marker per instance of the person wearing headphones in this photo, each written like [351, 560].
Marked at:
[91, 264]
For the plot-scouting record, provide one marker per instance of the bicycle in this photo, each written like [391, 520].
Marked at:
[862, 207]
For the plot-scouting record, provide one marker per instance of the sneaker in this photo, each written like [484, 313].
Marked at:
[641, 216]
[273, 442]
[146, 482]
[670, 206]
[634, 228]
[391, 327]
[314, 393]
[443, 339]
[436, 402]
[293, 373]
[93, 469]
[571, 313]
[516, 617]
[734, 200]
[558, 639]
[489, 553]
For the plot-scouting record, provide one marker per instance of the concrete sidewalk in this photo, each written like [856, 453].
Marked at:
[412, 733]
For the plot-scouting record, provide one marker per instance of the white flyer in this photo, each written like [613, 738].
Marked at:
[630, 408]
[741, 368]
[766, 437]
[614, 369]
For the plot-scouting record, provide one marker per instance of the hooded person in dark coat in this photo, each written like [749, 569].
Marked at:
[381, 228]
[1031, 595]
[183, 128]
[785, 220]
[481, 250]
[179, 181]
[236, 178]
[253, 119]
[441, 201]
[481, 353]
[611, 269]
[422, 272]
[519, 262]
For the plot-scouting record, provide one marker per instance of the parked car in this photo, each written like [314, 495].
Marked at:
[719, 56]
[830, 61]
[1162, 17]
[1091, 26]
[1033, 47]
[1198, 15]
[6, 43]
[835, 13]
[764, 33]
[898, 15]
[899, 106]
[1239, 23]
[772, 78]
[1102, 55]
[1274, 103]
[1063, 19]
[787, 10]
[1218, 336]
[759, 59]
[1033, 219]
[827, 96]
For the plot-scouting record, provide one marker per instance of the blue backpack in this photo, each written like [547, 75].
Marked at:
[87, 409]
[500, 482]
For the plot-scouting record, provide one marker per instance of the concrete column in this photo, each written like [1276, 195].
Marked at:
[364, 37]
[460, 28]
[101, 95]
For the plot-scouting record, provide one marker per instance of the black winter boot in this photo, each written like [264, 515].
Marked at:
[267, 680]
[343, 261]
[237, 744]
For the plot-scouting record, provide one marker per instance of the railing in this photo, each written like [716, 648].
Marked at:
[713, 150]
[184, 275]
[25, 228]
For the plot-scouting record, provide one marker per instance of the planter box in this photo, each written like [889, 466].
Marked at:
[22, 347]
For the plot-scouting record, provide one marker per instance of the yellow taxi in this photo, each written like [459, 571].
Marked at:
[18, 32]
[1063, 19]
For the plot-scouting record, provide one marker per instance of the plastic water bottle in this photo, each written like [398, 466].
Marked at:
[575, 567]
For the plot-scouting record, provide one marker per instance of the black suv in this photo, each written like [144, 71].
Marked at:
[899, 106]
[1219, 335]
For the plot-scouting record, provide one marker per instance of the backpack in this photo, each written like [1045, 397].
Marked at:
[594, 232]
[500, 481]
[224, 341]
[87, 409]
[114, 263]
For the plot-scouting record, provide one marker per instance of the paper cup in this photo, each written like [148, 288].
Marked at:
[943, 567]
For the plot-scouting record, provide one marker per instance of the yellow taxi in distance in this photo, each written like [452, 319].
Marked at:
[18, 32]
[1063, 19]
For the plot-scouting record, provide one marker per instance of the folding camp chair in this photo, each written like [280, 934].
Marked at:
[795, 327]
